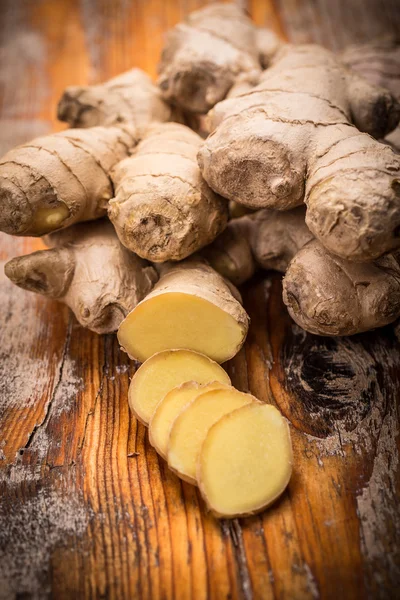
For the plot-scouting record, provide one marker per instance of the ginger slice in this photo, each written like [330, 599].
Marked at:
[191, 426]
[165, 371]
[246, 461]
[170, 407]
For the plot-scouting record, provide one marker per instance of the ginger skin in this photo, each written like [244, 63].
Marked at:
[56, 181]
[294, 139]
[163, 209]
[90, 271]
[128, 98]
[203, 56]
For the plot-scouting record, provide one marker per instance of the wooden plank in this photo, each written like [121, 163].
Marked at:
[88, 510]
[339, 23]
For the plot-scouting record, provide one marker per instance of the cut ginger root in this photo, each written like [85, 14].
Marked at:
[165, 371]
[191, 426]
[245, 462]
[169, 408]
[190, 307]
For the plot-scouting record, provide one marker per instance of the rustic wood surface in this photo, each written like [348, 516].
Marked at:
[88, 510]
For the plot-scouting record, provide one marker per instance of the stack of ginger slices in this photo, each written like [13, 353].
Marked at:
[234, 447]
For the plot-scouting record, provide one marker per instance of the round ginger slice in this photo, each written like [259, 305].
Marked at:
[246, 461]
[192, 424]
[165, 371]
[169, 408]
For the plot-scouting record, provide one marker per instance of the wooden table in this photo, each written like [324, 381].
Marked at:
[88, 510]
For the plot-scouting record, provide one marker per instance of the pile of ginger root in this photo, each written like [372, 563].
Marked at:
[248, 153]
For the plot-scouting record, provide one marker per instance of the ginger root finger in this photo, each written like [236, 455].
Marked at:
[355, 211]
[327, 295]
[90, 271]
[163, 210]
[128, 98]
[190, 428]
[190, 307]
[230, 253]
[61, 179]
[266, 238]
[238, 210]
[169, 408]
[163, 372]
[246, 461]
[268, 44]
[292, 139]
[203, 56]
[275, 237]
[377, 60]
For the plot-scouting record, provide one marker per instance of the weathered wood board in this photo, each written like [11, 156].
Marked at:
[88, 510]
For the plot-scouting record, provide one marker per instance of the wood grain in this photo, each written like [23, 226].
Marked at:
[88, 510]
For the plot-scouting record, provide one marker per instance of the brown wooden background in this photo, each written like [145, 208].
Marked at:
[88, 510]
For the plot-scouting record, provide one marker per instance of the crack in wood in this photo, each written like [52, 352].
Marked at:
[91, 412]
[49, 404]
[233, 530]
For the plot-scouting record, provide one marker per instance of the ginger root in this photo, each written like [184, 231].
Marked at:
[245, 461]
[325, 294]
[293, 138]
[203, 56]
[268, 44]
[328, 295]
[377, 60]
[163, 372]
[190, 307]
[230, 254]
[163, 210]
[61, 179]
[169, 408]
[266, 238]
[128, 98]
[90, 271]
[191, 426]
